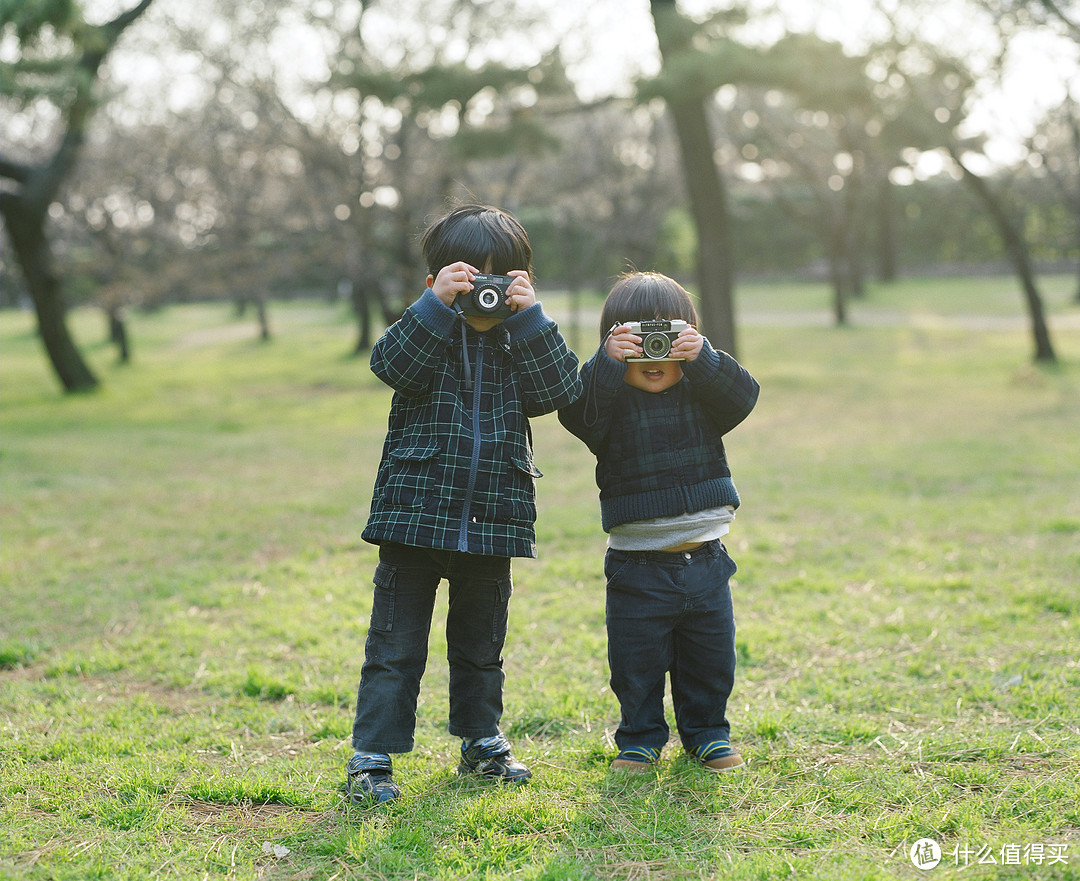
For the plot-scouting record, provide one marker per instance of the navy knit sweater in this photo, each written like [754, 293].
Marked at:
[661, 454]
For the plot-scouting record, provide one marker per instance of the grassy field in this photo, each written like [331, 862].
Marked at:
[185, 596]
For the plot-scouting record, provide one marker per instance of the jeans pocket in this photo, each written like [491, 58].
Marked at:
[616, 564]
[382, 607]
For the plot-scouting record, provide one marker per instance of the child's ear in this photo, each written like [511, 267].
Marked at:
[430, 280]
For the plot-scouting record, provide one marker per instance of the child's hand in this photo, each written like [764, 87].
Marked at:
[687, 344]
[453, 279]
[621, 344]
[520, 295]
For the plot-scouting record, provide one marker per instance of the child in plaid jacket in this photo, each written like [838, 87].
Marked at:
[454, 496]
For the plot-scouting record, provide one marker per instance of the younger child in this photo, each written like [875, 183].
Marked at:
[656, 427]
[454, 495]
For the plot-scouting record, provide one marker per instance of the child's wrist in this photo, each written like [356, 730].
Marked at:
[434, 314]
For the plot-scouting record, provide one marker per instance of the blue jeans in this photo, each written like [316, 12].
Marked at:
[406, 581]
[671, 613]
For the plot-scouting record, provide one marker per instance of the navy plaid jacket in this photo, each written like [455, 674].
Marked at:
[661, 454]
[457, 469]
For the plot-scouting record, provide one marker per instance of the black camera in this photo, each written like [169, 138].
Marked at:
[657, 337]
[487, 299]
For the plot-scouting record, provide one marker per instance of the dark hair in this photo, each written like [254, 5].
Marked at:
[477, 234]
[639, 295]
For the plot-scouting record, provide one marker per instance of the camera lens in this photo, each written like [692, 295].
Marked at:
[656, 345]
[487, 299]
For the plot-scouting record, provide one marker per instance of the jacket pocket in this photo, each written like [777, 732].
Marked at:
[519, 496]
[411, 475]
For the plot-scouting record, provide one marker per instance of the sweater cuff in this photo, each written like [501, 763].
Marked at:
[434, 314]
[704, 367]
[527, 323]
[607, 372]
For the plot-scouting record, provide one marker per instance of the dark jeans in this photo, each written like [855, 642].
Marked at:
[671, 612]
[406, 581]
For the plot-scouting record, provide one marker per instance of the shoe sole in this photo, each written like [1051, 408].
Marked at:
[631, 766]
[466, 771]
[728, 763]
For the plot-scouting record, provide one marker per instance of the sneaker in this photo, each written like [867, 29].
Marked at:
[716, 756]
[635, 758]
[369, 779]
[491, 757]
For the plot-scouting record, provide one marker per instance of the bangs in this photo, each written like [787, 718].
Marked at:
[476, 235]
[646, 295]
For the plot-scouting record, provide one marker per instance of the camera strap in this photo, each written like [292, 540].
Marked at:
[464, 345]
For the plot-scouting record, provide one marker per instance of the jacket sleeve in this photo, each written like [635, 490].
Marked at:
[406, 355]
[589, 417]
[546, 368]
[723, 387]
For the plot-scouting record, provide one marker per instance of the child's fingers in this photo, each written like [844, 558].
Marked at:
[621, 344]
[687, 344]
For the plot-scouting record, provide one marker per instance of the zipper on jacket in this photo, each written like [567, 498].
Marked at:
[474, 462]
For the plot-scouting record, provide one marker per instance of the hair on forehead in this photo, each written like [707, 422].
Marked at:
[477, 234]
[645, 295]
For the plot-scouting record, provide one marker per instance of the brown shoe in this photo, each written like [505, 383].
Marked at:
[632, 765]
[716, 756]
[635, 758]
[724, 763]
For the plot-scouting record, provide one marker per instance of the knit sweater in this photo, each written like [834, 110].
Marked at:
[457, 470]
[661, 454]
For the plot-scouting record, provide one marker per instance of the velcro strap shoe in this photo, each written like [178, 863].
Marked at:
[369, 779]
[491, 757]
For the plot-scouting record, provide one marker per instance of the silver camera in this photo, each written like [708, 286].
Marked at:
[657, 337]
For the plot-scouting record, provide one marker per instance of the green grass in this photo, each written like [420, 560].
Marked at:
[185, 595]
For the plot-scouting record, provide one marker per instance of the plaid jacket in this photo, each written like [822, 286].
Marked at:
[661, 454]
[457, 468]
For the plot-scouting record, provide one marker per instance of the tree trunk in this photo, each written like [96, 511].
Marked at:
[840, 275]
[264, 318]
[34, 255]
[25, 207]
[886, 230]
[1018, 252]
[705, 187]
[1076, 298]
[362, 309]
[118, 334]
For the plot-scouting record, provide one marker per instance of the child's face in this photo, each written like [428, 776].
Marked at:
[482, 323]
[652, 376]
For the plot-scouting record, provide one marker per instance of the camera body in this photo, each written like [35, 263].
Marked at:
[487, 299]
[657, 337]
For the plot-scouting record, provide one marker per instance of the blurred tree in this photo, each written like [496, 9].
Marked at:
[431, 103]
[1061, 127]
[698, 59]
[1062, 13]
[1055, 152]
[813, 163]
[599, 205]
[59, 55]
[686, 88]
[928, 105]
